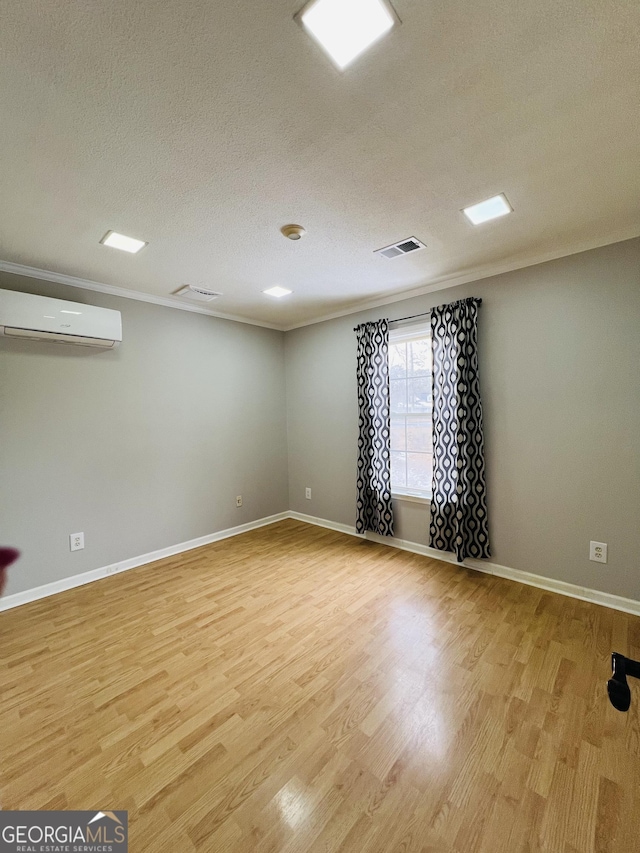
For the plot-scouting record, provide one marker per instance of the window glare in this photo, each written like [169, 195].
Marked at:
[419, 358]
[398, 470]
[397, 360]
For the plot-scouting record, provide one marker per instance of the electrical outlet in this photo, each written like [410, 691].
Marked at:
[307, 494]
[598, 552]
[76, 541]
[239, 500]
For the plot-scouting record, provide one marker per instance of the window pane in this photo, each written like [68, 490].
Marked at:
[398, 392]
[398, 435]
[410, 368]
[419, 395]
[419, 357]
[398, 470]
[419, 468]
[397, 361]
[418, 434]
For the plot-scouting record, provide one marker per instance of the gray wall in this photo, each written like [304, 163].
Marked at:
[560, 376]
[140, 448]
[147, 446]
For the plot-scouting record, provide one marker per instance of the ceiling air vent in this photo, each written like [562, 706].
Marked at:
[201, 294]
[410, 244]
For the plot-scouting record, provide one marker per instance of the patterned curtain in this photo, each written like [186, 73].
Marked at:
[459, 502]
[375, 511]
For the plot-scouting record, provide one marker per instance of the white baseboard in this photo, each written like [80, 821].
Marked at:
[64, 584]
[324, 522]
[606, 599]
[595, 596]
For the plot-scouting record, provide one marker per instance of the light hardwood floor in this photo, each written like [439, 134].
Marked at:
[296, 689]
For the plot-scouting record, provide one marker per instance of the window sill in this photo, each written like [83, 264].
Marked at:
[417, 499]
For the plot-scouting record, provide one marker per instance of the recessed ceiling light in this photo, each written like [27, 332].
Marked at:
[346, 28]
[277, 291]
[484, 211]
[122, 242]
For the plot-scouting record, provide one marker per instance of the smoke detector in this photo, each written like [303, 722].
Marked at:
[200, 294]
[293, 232]
[410, 244]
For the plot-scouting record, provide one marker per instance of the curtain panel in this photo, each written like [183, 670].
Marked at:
[459, 504]
[374, 508]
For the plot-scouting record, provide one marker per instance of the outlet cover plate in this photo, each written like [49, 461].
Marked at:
[598, 552]
[76, 541]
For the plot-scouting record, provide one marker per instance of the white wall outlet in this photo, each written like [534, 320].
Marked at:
[598, 552]
[239, 500]
[307, 494]
[76, 541]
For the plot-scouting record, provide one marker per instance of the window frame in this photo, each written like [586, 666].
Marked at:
[398, 334]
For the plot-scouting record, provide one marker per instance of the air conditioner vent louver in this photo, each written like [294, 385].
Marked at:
[42, 318]
[201, 294]
[409, 244]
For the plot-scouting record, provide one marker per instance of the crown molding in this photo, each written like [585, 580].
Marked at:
[438, 283]
[124, 293]
[474, 274]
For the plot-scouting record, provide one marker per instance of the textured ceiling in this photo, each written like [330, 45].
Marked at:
[203, 127]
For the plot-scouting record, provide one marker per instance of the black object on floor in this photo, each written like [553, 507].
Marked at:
[619, 692]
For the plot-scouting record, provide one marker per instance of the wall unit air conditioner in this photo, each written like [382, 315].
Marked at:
[40, 318]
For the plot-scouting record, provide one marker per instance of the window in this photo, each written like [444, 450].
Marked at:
[411, 410]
